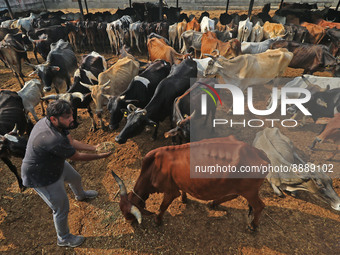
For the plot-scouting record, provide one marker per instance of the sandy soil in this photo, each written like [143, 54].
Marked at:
[302, 225]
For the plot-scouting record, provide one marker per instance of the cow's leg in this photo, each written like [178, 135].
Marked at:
[35, 54]
[217, 202]
[68, 83]
[184, 197]
[32, 111]
[167, 200]
[14, 170]
[334, 153]
[257, 205]
[42, 108]
[154, 136]
[277, 191]
[94, 126]
[137, 44]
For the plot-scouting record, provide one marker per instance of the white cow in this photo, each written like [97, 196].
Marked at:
[207, 24]
[202, 65]
[244, 30]
[282, 154]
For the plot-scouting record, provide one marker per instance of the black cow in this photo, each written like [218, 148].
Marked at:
[334, 35]
[13, 145]
[310, 57]
[140, 91]
[322, 104]
[161, 104]
[296, 33]
[59, 67]
[41, 46]
[187, 109]
[5, 31]
[55, 33]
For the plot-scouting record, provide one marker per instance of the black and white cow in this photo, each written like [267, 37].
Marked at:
[161, 104]
[140, 91]
[59, 67]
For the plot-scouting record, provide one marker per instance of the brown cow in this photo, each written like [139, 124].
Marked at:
[193, 25]
[316, 32]
[167, 170]
[331, 131]
[310, 57]
[158, 49]
[210, 43]
[328, 24]
[272, 30]
[181, 28]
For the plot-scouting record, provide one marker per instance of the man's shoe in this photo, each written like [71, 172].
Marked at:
[71, 241]
[88, 194]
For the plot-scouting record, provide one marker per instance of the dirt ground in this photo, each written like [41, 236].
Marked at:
[302, 225]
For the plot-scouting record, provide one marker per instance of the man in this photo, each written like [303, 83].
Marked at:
[45, 170]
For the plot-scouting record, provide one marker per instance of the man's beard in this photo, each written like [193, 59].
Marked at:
[62, 126]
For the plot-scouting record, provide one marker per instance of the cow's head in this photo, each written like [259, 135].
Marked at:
[321, 185]
[72, 98]
[99, 95]
[182, 129]
[132, 205]
[46, 72]
[115, 106]
[213, 67]
[136, 121]
[11, 144]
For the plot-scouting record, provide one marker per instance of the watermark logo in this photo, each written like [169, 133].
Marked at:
[204, 97]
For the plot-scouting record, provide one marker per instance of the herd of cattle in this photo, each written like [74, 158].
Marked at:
[235, 48]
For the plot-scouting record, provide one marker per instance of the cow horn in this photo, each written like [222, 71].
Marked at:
[86, 85]
[31, 65]
[121, 184]
[135, 212]
[193, 114]
[307, 81]
[131, 107]
[15, 129]
[106, 83]
[79, 95]
[53, 97]
[208, 55]
[122, 97]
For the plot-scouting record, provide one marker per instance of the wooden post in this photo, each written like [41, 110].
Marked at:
[130, 3]
[87, 9]
[81, 9]
[43, 1]
[9, 9]
[177, 3]
[337, 7]
[227, 7]
[160, 10]
[282, 4]
[251, 4]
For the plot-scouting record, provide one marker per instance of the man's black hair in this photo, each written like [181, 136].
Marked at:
[57, 108]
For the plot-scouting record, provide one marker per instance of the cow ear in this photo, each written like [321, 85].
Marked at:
[55, 68]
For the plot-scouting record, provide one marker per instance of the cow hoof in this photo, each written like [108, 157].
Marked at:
[22, 189]
[251, 228]
[158, 221]
[211, 205]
